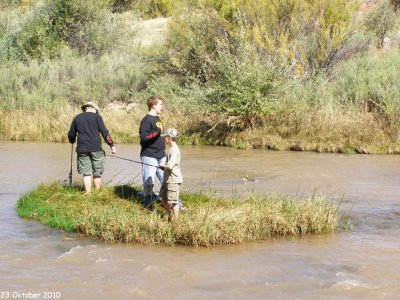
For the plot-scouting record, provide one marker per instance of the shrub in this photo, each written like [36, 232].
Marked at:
[370, 83]
[51, 83]
[243, 86]
[304, 36]
[381, 21]
[120, 5]
[396, 4]
[9, 3]
[85, 26]
[192, 43]
[153, 8]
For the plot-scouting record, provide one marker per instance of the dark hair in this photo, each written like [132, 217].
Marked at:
[153, 100]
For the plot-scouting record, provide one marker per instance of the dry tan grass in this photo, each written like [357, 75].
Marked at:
[347, 132]
[319, 131]
[153, 31]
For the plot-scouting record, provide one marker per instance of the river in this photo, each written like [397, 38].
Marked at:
[36, 262]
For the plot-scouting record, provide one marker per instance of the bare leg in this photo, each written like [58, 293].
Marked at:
[167, 208]
[165, 205]
[175, 211]
[87, 183]
[172, 211]
[97, 182]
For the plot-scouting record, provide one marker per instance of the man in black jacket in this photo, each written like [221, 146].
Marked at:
[153, 147]
[90, 154]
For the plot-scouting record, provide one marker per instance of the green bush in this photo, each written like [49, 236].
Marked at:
[153, 8]
[370, 83]
[9, 3]
[85, 26]
[303, 36]
[51, 83]
[243, 87]
[192, 43]
[381, 21]
[120, 6]
[24, 35]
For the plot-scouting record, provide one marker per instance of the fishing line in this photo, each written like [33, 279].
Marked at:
[2, 194]
[135, 161]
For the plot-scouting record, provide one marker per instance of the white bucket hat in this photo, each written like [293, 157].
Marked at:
[90, 104]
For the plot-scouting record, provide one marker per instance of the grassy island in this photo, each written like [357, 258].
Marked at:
[115, 214]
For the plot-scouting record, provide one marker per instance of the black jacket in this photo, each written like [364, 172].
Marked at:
[153, 144]
[87, 126]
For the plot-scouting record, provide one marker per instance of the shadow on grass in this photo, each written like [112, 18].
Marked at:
[131, 194]
[75, 187]
[128, 193]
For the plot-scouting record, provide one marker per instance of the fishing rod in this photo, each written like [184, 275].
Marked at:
[70, 171]
[72, 151]
[135, 161]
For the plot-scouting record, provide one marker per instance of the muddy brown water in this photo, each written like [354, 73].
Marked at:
[363, 263]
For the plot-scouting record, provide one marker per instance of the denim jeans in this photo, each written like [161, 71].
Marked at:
[150, 170]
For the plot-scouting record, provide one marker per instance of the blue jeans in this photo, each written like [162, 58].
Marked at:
[150, 170]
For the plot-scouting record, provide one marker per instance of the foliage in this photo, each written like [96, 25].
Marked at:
[381, 21]
[370, 83]
[304, 36]
[154, 8]
[9, 3]
[396, 4]
[120, 6]
[243, 86]
[192, 43]
[51, 83]
[261, 74]
[27, 36]
[209, 43]
[42, 31]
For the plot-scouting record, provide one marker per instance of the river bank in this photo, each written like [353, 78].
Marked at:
[318, 131]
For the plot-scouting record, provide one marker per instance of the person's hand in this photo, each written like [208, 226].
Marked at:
[113, 150]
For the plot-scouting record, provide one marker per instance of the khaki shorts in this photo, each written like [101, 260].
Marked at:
[91, 163]
[170, 192]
